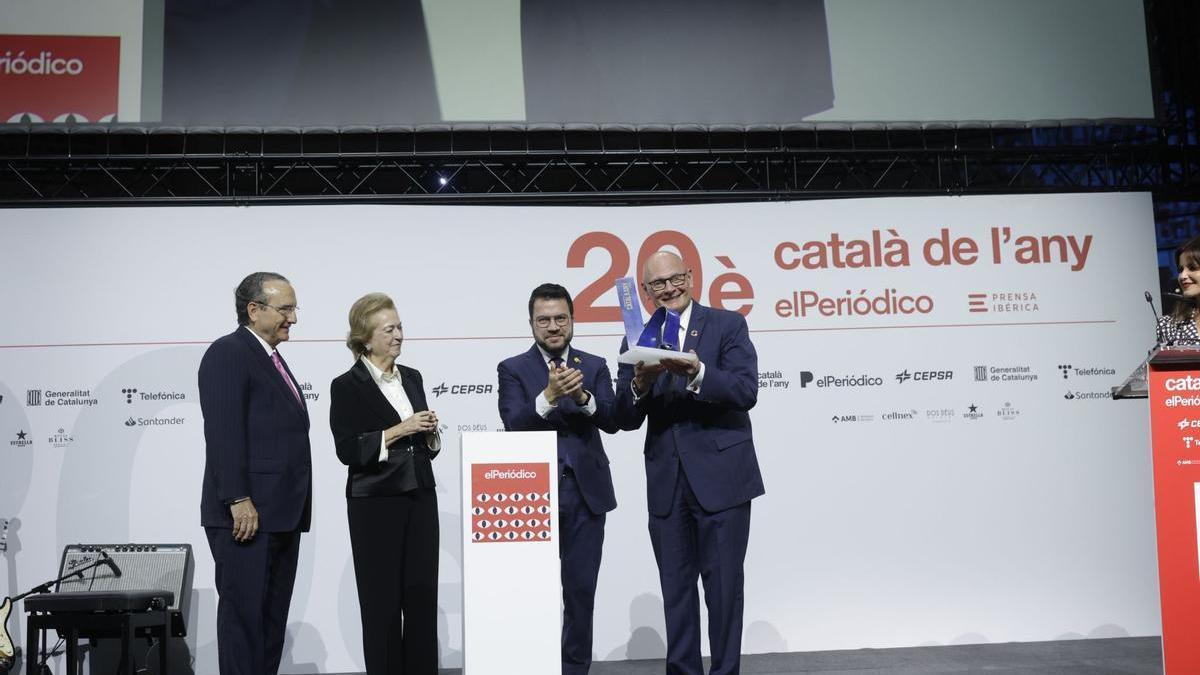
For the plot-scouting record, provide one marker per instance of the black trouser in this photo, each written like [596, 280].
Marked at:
[395, 544]
[254, 589]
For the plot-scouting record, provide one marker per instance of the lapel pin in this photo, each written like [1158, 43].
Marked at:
[576, 359]
[695, 332]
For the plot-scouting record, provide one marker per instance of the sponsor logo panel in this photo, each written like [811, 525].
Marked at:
[463, 389]
[924, 376]
[510, 502]
[1005, 373]
[839, 381]
[60, 398]
[1003, 302]
[774, 379]
[61, 439]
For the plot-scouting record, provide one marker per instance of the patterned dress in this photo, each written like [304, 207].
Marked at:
[1172, 331]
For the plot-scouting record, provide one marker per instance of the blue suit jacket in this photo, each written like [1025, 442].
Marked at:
[255, 437]
[708, 433]
[523, 377]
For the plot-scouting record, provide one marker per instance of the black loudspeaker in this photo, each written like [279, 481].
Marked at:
[143, 567]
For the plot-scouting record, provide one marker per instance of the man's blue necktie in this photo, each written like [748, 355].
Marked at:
[670, 332]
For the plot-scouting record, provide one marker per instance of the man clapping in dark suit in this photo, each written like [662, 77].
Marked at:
[257, 493]
[554, 387]
[701, 468]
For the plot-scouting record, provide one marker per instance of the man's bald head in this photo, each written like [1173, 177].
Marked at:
[667, 281]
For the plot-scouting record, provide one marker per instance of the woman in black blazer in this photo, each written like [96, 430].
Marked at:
[385, 433]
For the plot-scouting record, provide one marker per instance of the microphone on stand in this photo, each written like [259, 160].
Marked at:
[112, 564]
[1158, 338]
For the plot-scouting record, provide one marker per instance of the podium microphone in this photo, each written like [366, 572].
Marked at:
[1158, 338]
[112, 564]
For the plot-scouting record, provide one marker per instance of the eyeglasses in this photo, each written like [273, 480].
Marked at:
[289, 310]
[677, 280]
[544, 321]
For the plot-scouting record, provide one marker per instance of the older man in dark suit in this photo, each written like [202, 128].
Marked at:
[555, 387]
[701, 468]
[257, 493]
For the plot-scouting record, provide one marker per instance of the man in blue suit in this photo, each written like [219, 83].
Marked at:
[701, 469]
[257, 493]
[554, 387]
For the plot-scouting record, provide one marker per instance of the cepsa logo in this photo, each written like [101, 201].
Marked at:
[462, 389]
[59, 78]
[729, 290]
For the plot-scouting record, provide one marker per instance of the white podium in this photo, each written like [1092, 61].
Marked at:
[512, 622]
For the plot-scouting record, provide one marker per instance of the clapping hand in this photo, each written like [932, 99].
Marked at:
[564, 381]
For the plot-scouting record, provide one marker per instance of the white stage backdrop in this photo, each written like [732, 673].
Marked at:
[942, 462]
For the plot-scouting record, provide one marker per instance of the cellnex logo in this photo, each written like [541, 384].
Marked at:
[901, 416]
[462, 389]
[44, 63]
[924, 376]
[864, 380]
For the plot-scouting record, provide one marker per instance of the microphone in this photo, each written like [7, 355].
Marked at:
[1158, 338]
[112, 564]
[1150, 301]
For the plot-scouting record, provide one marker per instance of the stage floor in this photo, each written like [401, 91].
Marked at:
[1112, 656]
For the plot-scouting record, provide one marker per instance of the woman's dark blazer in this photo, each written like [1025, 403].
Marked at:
[358, 415]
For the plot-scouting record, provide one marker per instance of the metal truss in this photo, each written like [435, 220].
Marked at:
[55, 165]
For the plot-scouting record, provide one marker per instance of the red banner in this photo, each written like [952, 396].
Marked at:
[510, 502]
[49, 78]
[1175, 427]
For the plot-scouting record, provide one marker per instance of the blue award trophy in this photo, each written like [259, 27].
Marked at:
[653, 341]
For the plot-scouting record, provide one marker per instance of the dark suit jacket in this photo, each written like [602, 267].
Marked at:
[255, 437]
[359, 413]
[708, 433]
[523, 377]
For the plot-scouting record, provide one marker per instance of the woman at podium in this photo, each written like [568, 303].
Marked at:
[1179, 328]
[387, 436]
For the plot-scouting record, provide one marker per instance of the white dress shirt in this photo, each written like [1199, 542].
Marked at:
[270, 350]
[393, 390]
